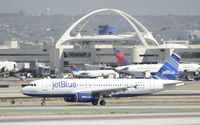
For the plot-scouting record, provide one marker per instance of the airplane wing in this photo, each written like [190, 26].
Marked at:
[122, 69]
[105, 91]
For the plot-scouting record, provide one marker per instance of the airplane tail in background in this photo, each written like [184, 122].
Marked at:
[120, 57]
[169, 69]
[74, 68]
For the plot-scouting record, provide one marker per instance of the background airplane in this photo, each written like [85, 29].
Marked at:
[97, 67]
[92, 73]
[96, 90]
[125, 66]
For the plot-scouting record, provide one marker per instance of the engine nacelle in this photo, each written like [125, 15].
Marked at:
[84, 97]
[80, 97]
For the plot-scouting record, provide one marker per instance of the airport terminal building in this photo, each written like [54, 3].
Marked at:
[78, 48]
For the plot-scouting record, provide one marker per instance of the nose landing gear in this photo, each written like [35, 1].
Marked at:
[43, 102]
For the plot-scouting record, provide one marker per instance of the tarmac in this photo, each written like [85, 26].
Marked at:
[127, 119]
[86, 109]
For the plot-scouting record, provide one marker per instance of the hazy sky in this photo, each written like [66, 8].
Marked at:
[134, 7]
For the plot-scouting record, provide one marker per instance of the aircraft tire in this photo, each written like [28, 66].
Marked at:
[102, 102]
[95, 102]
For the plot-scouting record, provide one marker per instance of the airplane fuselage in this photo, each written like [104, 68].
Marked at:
[64, 87]
[155, 67]
[95, 73]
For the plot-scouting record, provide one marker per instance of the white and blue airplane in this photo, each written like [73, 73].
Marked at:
[96, 90]
[92, 73]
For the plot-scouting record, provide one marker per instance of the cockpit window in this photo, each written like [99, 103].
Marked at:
[32, 84]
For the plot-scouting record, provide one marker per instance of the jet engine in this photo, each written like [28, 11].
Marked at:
[80, 97]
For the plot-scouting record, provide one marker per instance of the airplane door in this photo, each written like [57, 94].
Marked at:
[44, 86]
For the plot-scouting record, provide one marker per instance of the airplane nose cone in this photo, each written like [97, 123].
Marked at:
[23, 90]
[29, 90]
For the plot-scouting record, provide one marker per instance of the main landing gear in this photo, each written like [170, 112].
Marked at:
[101, 102]
[43, 102]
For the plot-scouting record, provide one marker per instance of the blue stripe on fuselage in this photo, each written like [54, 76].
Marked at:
[65, 95]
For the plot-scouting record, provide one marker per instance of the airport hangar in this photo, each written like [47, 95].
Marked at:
[77, 48]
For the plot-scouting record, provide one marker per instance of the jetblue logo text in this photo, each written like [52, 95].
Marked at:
[63, 84]
[167, 72]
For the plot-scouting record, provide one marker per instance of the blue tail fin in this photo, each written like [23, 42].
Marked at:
[169, 69]
[74, 68]
[120, 57]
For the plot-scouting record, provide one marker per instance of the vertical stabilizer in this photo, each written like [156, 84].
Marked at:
[169, 69]
[120, 57]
